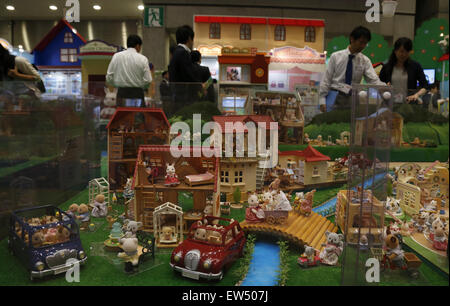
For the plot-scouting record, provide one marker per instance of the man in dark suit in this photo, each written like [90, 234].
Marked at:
[203, 74]
[430, 99]
[181, 68]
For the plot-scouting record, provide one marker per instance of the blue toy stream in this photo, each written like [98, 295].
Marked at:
[322, 209]
[264, 265]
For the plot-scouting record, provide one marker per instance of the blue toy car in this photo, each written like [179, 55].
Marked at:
[46, 240]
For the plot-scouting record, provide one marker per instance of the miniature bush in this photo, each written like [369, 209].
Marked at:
[283, 273]
[237, 195]
[244, 263]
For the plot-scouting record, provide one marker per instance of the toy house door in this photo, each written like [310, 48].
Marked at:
[301, 172]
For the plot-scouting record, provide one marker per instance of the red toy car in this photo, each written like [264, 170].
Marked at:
[312, 261]
[209, 249]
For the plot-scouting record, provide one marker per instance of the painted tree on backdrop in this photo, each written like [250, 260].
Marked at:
[377, 49]
[426, 45]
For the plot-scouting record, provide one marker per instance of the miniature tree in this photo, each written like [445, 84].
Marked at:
[237, 195]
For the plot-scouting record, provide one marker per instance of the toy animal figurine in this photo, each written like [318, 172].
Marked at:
[254, 213]
[200, 233]
[333, 249]
[73, 209]
[394, 229]
[281, 202]
[130, 253]
[394, 252]
[309, 258]
[84, 216]
[393, 205]
[306, 204]
[63, 234]
[37, 239]
[100, 209]
[168, 234]
[275, 184]
[128, 192]
[110, 221]
[267, 200]
[171, 176]
[110, 102]
[363, 243]
[437, 235]
[420, 221]
[50, 236]
[208, 211]
[131, 227]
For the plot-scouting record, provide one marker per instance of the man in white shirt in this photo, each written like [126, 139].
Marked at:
[346, 67]
[129, 71]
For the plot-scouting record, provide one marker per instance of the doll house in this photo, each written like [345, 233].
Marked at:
[360, 213]
[285, 108]
[127, 130]
[417, 187]
[56, 56]
[309, 167]
[377, 123]
[195, 175]
[240, 172]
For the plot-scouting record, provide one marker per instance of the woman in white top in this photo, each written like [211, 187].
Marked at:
[403, 73]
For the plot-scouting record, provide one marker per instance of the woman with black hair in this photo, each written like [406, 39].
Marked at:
[403, 73]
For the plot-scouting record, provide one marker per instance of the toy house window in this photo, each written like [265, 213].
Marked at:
[214, 31]
[208, 164]
[280, 33]
[315, 171]
[68, 55]
[310, 34]
[224, 177]
[238, 176]
[68, 38]
[246, 32]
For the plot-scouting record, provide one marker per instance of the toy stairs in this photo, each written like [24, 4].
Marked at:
[261, 172]
[298, 229]
[116, 147]
[149, 200]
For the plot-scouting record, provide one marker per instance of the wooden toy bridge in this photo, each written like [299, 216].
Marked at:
[297, 228]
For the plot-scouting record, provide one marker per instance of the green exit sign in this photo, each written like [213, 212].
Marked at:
[154, 16]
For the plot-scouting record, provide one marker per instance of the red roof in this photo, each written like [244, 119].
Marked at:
[119, 110]
[260, 20]
[310, 154]
[222, 120]
[53, 32]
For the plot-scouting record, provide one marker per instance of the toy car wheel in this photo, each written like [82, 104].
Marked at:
[281, 220]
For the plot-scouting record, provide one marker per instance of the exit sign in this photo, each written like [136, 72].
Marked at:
[154, 16]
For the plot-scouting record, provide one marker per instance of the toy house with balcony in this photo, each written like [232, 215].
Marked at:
[127, 130]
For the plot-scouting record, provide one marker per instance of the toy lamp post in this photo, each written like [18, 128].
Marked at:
[389, 8]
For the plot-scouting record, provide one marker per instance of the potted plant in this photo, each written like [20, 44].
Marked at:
[237, 198]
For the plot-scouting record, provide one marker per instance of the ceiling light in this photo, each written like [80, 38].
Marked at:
[141, 7]
[10, 8]
[53, 7]
[97, 7]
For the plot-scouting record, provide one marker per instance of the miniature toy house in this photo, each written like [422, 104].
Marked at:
[127, 130]
[241, 32]
[196, 175]
[309, 166]
[417, 186]
[370, 222]
[241, 172]
[285, 109]
[168, 225]
[56, 56]
[376, 123]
